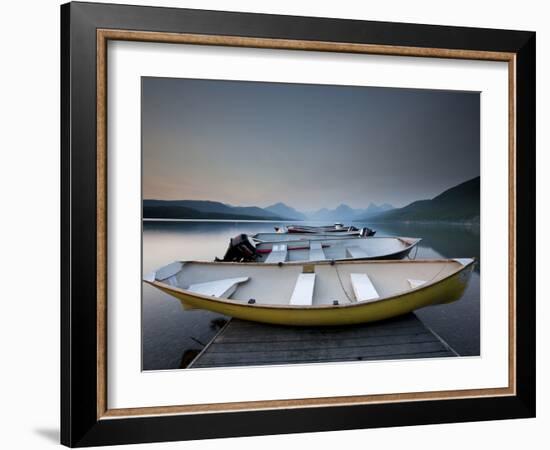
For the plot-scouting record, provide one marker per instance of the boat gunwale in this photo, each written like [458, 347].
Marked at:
[337, 238]
[167, 287]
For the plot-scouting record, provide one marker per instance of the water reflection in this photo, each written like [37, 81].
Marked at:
[188, 357]
[457, 323]
[171, 336]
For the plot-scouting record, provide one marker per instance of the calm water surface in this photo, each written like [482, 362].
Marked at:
[172, 336]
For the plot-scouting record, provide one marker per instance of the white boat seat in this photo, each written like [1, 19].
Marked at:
[415, 283]
[357, 252]
[219, 288]
[316, 252]
[303, 290]
[168, 271]
[363, 288]
[278, 254]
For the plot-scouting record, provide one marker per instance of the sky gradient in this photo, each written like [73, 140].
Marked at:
[309, 146]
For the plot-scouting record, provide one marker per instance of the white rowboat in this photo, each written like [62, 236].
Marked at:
[242, 248]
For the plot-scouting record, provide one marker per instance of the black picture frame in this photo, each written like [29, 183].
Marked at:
[80, 425]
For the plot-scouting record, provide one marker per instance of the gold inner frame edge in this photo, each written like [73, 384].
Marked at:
[104, 35]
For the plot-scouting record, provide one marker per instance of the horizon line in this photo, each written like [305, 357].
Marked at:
[308, 211]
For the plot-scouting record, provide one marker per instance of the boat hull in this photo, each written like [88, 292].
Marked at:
[276, 237]
[446, 290]
[336, 249]
[351, 230]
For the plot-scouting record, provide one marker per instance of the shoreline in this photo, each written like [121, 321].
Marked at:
[401, 222]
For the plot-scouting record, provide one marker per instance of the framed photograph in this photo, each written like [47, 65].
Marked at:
[277, 224]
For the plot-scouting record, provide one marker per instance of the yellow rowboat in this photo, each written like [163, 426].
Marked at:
[323, 293]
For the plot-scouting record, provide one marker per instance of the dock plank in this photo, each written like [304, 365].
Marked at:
[244, 343]
[324, 342]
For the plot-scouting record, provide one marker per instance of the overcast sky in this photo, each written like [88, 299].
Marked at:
[309, 146]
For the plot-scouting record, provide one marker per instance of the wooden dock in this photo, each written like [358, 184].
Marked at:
[242, 343]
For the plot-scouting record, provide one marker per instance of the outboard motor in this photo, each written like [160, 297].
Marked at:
[367, 232]
[241, 249]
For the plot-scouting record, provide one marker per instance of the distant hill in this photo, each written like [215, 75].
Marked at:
[346, 213]
[340, 213]
[282, 210]
[204, 209]
[181, 212]
[457, 204]
[374, 210]
[208, 206]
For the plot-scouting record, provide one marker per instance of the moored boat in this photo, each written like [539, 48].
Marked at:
[325, 293]
[337, 228]
[242, 248]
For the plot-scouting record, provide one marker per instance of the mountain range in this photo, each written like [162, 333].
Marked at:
[346, 213]
[206, 209]
[457, 204]
[283, 210]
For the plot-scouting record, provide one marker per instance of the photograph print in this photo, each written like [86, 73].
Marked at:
[302, 224]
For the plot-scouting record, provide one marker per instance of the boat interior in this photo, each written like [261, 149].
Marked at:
[332, 249]
[306, 284]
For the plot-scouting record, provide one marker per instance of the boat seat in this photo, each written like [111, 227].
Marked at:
[168, 271]
[219, 288]
[415, 283]
[363, 288]
[303, 290]
[278, 254]
[357, 252]
[316, 252]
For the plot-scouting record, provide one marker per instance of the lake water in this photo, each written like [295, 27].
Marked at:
[172, 336]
